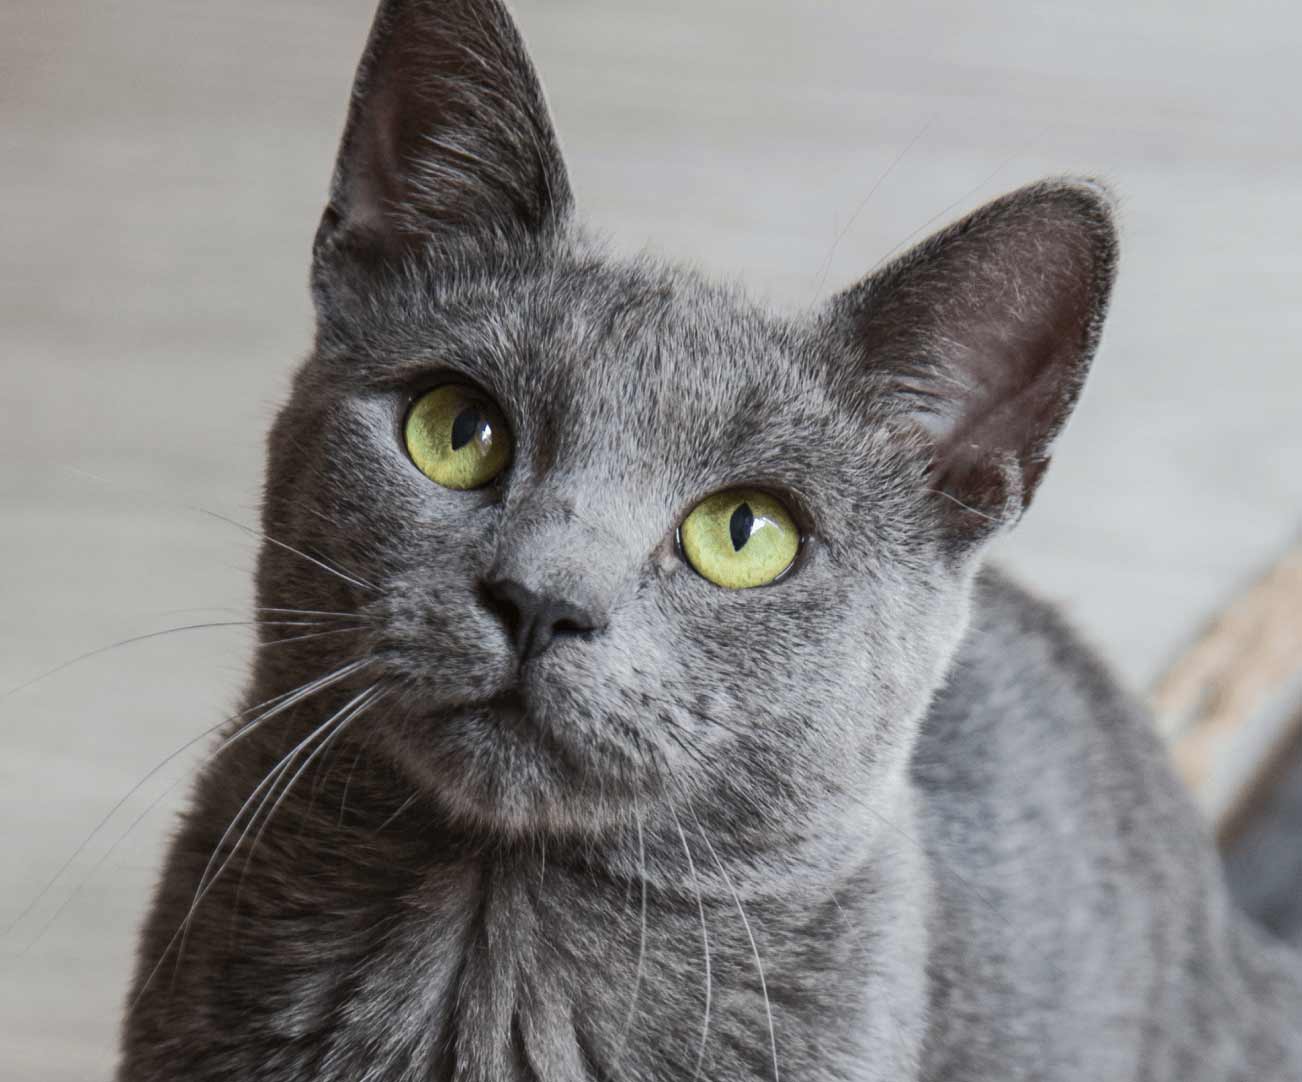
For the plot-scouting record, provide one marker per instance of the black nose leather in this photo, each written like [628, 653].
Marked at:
[534, 620]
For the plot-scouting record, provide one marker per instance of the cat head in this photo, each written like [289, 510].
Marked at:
[622, 537]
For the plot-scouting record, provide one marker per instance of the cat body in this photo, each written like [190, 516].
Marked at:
[549, 802]
[1083, 928]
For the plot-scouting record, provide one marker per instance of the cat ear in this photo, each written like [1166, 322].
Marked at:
[447, 133]
[980, 339]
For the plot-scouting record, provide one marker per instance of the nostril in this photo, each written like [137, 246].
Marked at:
[570, 621]
[501, 600]
[556, 619]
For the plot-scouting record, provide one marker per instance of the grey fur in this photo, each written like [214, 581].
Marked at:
[883, 820]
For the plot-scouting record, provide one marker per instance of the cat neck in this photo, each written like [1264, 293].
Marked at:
[571, 955]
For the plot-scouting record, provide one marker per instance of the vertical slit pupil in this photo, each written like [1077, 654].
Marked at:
[466, 426]
[740, 525]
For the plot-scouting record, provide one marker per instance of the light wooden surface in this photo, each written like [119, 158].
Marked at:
[162, 164]
[1232, 702]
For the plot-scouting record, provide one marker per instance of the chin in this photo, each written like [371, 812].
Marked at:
[506, 768]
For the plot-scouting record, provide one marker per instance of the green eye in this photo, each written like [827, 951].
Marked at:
[740, 538]
[457, 437]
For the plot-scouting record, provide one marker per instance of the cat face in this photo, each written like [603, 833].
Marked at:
[551, 659]
[630, 394]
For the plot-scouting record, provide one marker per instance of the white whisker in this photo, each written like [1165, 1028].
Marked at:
[277, 704]
[705, 944]
[836, 243]
[353, 578]
[208, 878]
[641, 946]
[363, 702]
[393, 818]
[312, 635]
[144, 638]
[312, 612]
[754, 947]
[357, 580]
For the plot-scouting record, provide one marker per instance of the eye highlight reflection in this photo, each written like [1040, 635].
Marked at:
[740, 538]
[457, 437]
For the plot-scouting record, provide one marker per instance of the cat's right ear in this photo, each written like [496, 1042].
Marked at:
[447, 135]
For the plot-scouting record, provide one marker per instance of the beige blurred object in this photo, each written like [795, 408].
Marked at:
[1231, 704]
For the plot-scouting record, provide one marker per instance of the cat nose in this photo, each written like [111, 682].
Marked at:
[536, 620]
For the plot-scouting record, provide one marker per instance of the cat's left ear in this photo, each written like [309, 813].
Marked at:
[979, 341]
[447, 135]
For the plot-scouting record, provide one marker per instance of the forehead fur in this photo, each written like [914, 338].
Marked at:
[631, 377]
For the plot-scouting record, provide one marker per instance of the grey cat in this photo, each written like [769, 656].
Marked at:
[665, 723]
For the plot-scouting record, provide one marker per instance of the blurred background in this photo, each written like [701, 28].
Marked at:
[162, 168]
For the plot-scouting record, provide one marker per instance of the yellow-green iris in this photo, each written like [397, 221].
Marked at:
[457, 437]
[740, 538]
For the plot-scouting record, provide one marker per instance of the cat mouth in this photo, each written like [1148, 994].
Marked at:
[512, 711]
[523, 723]
[510, 705]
